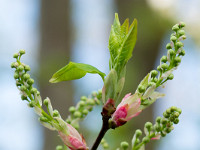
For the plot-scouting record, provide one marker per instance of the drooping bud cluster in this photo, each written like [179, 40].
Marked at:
[24, 82]
[80, 111]
[162, 127]
[51, 120]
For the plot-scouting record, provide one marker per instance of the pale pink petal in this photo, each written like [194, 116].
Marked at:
[157, 137]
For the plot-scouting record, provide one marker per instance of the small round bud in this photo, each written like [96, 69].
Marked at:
[159, 68]
[138, 133]
[181, 24]
[97, 102]
[157, 127]
[55, 113]
[137, 141]
[38, 93]
[77, 114]
[105, 145]
[154, 73]
[23, 97]
[155, 80]
[148, 125]
[81, 103]
[85, 112]
[72, 109]
[173, 38]
[164, 121]
[15, 55]
[176, 121]
[31, 104]
[170, 77]
[16, 75]
[26, 76]
[164, 66]
[30, 81]
[90, 102]
[177, 59]
[181, 32]
[183, 37]
[23, 88]
[175, 27]
[46, 102]
[94, 93]
[145, 139]
[168, 46]
[163, 134]
[166, 115]
[169, 111]
[20, 68]
[22, 51]
[164, 59]
[182, 53]
[43, 119]
[173, 108]
[151, 84]
[83, 98]
[90, 108]
[171, 52]
[12, 65]
[141, 88]
[68, 121]
[158, 119]
[176, 114]
[59, 147]
[124, 145]
[27, 68]
[179, 44]
[179, 110]
[168, 130]
[33, 91]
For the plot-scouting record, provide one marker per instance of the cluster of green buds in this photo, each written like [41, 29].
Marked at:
[80, 111]
[24, 82]
[167, 65]
[50, 119]
[162, 127]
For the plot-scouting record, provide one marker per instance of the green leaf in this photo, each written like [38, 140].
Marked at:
[74, 71]
[110, 85]
[121, 43]
[125, 52]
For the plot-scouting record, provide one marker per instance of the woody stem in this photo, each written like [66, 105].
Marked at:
[104, 129]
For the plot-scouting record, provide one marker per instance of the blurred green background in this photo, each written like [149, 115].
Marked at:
[55, 32]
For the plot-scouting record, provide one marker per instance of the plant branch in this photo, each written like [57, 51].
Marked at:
[104, 129]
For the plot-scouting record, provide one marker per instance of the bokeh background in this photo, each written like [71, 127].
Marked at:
[55, 32]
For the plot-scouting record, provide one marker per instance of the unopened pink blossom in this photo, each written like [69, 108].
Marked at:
[127, 109]
[73, 139]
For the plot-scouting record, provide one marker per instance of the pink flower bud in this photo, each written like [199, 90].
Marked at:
[127, 109]
[73, 139]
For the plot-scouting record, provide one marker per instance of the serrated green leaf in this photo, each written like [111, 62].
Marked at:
[125, 52]
[74, 71]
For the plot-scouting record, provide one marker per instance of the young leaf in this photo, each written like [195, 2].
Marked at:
[125, 52]
[74, 71]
